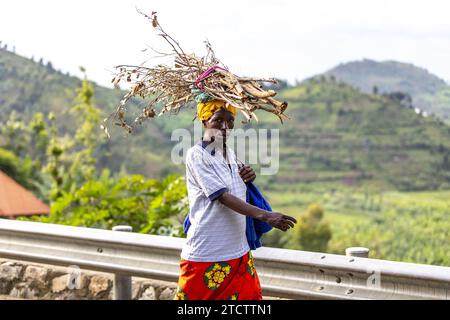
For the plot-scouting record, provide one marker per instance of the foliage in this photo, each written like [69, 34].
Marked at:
[358, 139]
[311, 233]
[52, 163]
[64, 169]
[419, 238]
[71, 160]
[24, 151]
[336, 136]
[28, 88]
[437, 103]
[149, 206]
[400, 226]
[15, 168]
[357, 155]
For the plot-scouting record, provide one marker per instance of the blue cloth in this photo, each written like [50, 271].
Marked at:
[254, 228]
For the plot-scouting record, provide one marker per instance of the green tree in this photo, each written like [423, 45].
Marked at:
[25, 144]
[47, 162]
[149, 206]
[71, 160]
[276, 239]
[9, 165]
[64, 165]
[25, 139]
[311, 233]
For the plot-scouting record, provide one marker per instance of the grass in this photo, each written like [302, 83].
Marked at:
[348, 207]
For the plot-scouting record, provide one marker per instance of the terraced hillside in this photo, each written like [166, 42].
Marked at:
[337, 134]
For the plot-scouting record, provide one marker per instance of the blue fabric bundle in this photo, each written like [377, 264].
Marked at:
[254, 228]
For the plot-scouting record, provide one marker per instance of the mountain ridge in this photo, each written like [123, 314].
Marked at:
[337, 134]
[428, 91]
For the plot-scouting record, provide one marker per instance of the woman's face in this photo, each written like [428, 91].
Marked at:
[221, 123]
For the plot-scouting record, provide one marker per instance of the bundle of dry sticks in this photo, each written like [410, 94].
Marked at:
[191, 78]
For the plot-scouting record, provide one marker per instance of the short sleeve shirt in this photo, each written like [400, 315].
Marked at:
[217, 233]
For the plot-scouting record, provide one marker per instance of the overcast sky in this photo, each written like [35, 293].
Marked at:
[285, 39]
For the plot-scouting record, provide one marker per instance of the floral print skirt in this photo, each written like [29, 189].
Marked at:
[235, 279]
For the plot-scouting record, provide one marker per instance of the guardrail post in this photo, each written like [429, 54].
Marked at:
[122, 283]
[357, 252]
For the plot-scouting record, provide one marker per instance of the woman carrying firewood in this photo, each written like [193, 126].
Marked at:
[216, 259]
[227, 214]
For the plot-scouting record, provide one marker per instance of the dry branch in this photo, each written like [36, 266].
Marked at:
[191, 78]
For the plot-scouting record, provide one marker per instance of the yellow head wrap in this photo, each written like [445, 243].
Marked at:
[205, 110]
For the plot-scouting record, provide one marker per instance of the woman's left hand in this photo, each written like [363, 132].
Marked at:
[247, 173]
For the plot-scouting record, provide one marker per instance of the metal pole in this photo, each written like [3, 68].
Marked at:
[122, 283]
[357, 252]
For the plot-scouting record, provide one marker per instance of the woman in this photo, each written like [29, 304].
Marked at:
[216, 261]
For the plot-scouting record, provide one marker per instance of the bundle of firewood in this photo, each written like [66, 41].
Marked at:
[190, 78]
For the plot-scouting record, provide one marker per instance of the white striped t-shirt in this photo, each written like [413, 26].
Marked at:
[217, 233]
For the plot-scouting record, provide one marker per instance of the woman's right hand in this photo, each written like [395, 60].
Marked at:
[279, 220]
[275, 219]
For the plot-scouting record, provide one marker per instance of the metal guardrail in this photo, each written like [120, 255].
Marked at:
[283, 273]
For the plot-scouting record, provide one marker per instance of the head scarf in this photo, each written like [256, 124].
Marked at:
[205, 110]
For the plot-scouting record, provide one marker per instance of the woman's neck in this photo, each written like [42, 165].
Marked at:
[217, 144]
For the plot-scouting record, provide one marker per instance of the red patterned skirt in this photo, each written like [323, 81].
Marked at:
[235, 279]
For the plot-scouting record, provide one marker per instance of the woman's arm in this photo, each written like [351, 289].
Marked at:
[275, 219]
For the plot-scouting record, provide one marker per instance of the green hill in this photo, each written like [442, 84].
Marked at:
[28, 87]
[337, 135]
[429, 92]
